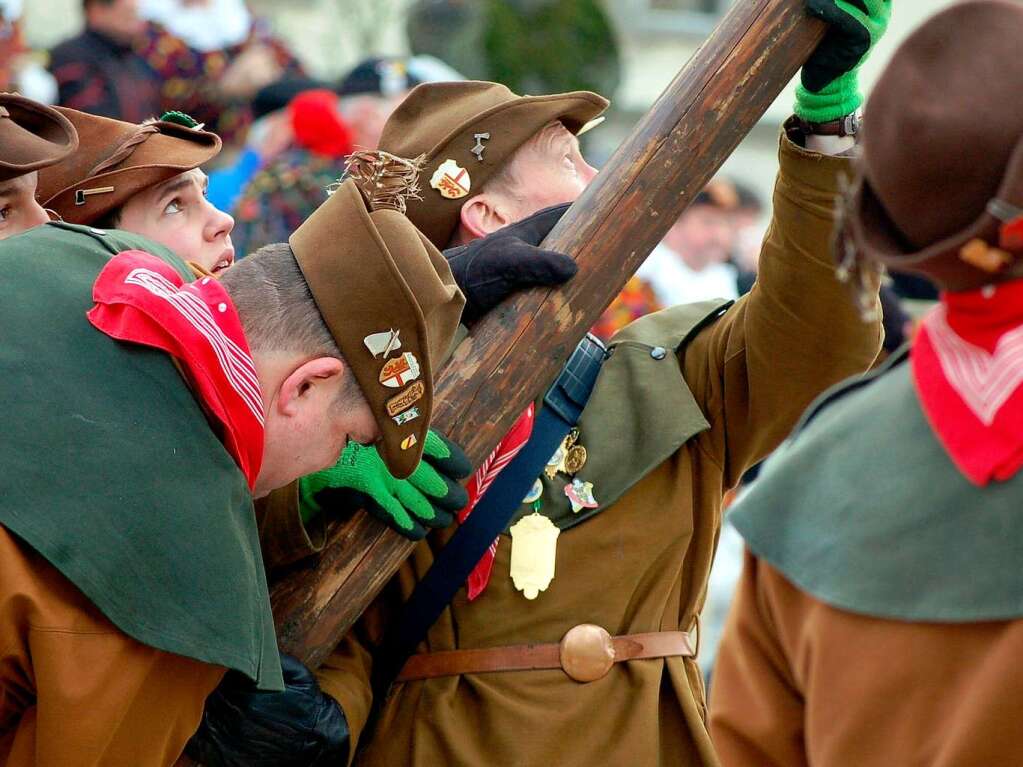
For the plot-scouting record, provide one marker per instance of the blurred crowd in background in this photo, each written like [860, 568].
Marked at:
[287, 133]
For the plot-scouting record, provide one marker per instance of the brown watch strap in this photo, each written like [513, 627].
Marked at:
[849, 125]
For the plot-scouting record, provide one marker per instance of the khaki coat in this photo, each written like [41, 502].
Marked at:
[642, 564]
[74, 690]
[798, 683]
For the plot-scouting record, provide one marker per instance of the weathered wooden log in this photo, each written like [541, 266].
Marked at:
[517, 350]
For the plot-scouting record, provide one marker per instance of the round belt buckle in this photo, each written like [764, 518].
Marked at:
[587, 653]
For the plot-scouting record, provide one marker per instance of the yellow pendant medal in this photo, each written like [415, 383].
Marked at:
[535, 537]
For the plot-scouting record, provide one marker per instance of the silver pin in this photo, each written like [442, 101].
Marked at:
[478, 149]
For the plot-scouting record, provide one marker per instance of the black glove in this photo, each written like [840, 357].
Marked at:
[491, 269]
[243, 727]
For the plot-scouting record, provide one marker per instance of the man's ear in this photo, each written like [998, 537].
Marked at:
[483, 214]
[307, 380]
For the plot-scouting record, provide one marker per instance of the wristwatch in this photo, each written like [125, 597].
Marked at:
[849, 125]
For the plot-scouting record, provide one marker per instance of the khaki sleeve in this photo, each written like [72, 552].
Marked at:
[346, 675]
[796, 333]
[756, 710]
[283, 537]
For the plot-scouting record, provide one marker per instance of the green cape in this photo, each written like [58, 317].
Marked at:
[863, 509]
[110, 470]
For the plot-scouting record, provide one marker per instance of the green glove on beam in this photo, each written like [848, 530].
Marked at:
[829, 83]
[428, 498]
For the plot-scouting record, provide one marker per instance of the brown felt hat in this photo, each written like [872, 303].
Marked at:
[32, 136]
[443, 120]
[942, 164]
[388, 298]
[116, 160]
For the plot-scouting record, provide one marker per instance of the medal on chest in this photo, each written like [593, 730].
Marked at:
[535, 537]
[534, 551]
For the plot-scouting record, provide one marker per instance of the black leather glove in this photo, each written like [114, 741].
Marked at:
[243, 727]
[490, 269]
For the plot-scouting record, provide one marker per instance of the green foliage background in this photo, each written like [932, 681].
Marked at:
[532, 46]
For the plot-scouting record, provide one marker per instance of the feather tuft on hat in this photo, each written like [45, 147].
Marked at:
[385, 180]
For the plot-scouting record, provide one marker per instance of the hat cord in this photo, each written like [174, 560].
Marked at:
[126, 148]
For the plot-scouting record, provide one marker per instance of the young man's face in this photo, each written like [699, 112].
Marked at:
[177, 214]
[19, 209]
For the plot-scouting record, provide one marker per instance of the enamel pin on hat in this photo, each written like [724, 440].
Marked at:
[382, 344]
[400, 371]
[451, 180]
[404, 400]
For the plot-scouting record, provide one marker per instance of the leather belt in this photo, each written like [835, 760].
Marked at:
[586, 653]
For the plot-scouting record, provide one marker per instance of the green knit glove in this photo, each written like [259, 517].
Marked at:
[428, 498]
[829, 87]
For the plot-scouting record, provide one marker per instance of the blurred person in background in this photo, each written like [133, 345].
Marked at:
[691, 262]
[295, 178]
[269, 134]
[324, 127]
[21, 69]
[750, 229]
[99, 70]
[689, 265]
[213, 57]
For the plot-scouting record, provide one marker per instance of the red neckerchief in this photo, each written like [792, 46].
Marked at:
[513, 442]
[967, 363]
[141, 299]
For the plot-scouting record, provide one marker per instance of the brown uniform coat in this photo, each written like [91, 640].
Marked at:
[798, 682]
[642, 564]
[74, 690]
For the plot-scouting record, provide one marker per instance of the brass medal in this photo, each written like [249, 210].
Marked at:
[534, 551]
[575, 459]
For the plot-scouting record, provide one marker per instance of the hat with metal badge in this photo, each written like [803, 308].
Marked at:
[466, 131]
[116, 160]
[32, 136]
[389, 300]
[939, 188]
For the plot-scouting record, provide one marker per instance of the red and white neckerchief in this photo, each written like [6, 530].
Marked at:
[967, 364]
[141, 299]
[513, 442]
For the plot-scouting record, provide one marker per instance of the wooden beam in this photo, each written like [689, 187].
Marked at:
[517, 350]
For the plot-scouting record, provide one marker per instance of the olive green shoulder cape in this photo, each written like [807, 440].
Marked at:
[640, 412]
[863, 509]
[110, 470]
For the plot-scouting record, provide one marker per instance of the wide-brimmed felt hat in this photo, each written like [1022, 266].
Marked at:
[466, 132]
[388, 298]
[940, 180]
[116, 160]
[32, 136]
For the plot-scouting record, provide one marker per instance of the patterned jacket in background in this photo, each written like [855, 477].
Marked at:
[636, 300]
[188, 78]
[280, 197]
[98, 75]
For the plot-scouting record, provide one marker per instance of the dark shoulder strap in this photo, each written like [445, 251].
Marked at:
[563, 404]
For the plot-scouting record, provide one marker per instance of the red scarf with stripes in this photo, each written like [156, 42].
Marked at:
[142, 300]
[967, 364]
[513, 442]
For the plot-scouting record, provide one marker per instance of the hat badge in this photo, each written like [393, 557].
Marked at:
[478, 148]
[451, 180]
